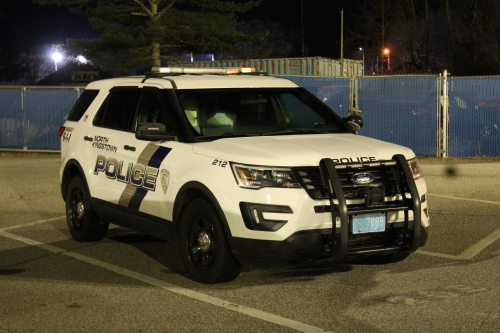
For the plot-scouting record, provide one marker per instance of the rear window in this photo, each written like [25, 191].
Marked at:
[82, 104]
[118, 110]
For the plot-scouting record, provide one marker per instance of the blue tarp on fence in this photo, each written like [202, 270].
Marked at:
[30, 118]
[11, 118]
[474, 116]
[401, 110]
[398, 109]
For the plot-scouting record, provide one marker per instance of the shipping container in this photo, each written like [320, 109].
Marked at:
[308, 66]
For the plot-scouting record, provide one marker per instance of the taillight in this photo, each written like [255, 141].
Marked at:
[61, 131]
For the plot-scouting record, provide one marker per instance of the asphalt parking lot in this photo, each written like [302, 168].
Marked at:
[134, 283]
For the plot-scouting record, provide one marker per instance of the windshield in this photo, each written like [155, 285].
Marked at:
[216, 113]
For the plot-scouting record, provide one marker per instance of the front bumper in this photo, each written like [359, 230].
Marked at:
[303, 238]
[309, 245]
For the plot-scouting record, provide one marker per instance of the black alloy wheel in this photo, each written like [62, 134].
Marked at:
[204, 250]
[83, 224]
[76, 212]
[201, 243]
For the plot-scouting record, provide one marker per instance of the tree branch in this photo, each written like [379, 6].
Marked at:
[148, 12]
[167, 8]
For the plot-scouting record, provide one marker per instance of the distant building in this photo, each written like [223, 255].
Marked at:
[74, 74]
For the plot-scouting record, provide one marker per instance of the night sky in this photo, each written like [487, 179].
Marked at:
[38, 27]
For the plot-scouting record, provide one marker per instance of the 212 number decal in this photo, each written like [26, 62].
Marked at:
[220, 163]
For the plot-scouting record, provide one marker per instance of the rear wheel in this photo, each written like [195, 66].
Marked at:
[387, 258]
[83, 224]
[203, 245]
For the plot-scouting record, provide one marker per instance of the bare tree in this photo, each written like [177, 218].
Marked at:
[35, 67]
[279, 42]
[373, 19]
[483, 26]
[450, 29]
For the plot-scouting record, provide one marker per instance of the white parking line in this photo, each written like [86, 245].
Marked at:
[173, 288]
[439, 255]
[473, 250]
[476, 248]
[33, 223]
[465, 199]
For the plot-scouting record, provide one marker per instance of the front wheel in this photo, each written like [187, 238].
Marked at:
[83, 224]
[387, 258]
[203, 246]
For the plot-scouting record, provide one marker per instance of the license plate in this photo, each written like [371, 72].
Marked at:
[366, 223]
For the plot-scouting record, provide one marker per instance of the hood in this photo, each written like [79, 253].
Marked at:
[300, 150]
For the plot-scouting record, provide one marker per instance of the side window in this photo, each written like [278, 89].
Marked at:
[117, 111]
[82, 104]
[149, 110]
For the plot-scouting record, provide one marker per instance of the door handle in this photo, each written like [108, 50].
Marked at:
[127, 147]
[87, 138]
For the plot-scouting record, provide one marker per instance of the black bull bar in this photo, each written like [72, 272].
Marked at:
[331, 182]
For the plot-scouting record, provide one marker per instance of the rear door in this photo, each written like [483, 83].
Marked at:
[107, 144]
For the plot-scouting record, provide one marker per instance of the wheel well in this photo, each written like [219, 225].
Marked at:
[71, 171]
[188, 195]
[190, 192]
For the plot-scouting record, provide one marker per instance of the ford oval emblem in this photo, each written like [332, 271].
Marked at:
[362, 178]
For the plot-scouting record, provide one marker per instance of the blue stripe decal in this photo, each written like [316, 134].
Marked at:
[158, 157]
[154, 162]
[137, 197]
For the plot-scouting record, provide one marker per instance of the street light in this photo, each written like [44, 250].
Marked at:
[363, 51]
[57, 57]
[386, 51]
[82, 59]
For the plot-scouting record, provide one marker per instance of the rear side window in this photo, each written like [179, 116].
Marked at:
[82, 104]
[118, 110]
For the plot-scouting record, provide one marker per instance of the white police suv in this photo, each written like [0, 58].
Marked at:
[237, 167]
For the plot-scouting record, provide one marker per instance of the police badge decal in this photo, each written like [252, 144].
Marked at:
[165, 179]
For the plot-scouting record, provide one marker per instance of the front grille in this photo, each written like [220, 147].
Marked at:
[385, 173]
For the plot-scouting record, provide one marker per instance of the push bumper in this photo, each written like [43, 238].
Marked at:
[339, 242]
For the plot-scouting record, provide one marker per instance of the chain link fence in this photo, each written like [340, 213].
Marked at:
[474, 116]
[401, 110]
[398, 109]
[30, 117]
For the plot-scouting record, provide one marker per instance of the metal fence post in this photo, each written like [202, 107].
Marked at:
[354, 96]
[25, 130]
[439, 97]
[445, 95]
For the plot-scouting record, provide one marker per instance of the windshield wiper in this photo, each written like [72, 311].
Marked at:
[226, 135]
[299, 131]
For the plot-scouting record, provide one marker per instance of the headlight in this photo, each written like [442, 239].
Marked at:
[415, 168]
[250, 176]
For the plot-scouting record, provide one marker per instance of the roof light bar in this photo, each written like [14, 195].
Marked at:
[220, 71]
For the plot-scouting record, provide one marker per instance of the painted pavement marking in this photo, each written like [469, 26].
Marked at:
[269, 317]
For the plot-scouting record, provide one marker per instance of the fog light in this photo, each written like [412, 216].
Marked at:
[254, 219]
[256, 215]
[425, 212]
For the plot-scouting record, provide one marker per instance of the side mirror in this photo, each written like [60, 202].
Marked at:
[153, 132]
[355, 122]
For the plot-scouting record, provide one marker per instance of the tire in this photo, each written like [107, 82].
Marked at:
[203, 246]
[83, 224]
[387, 258]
